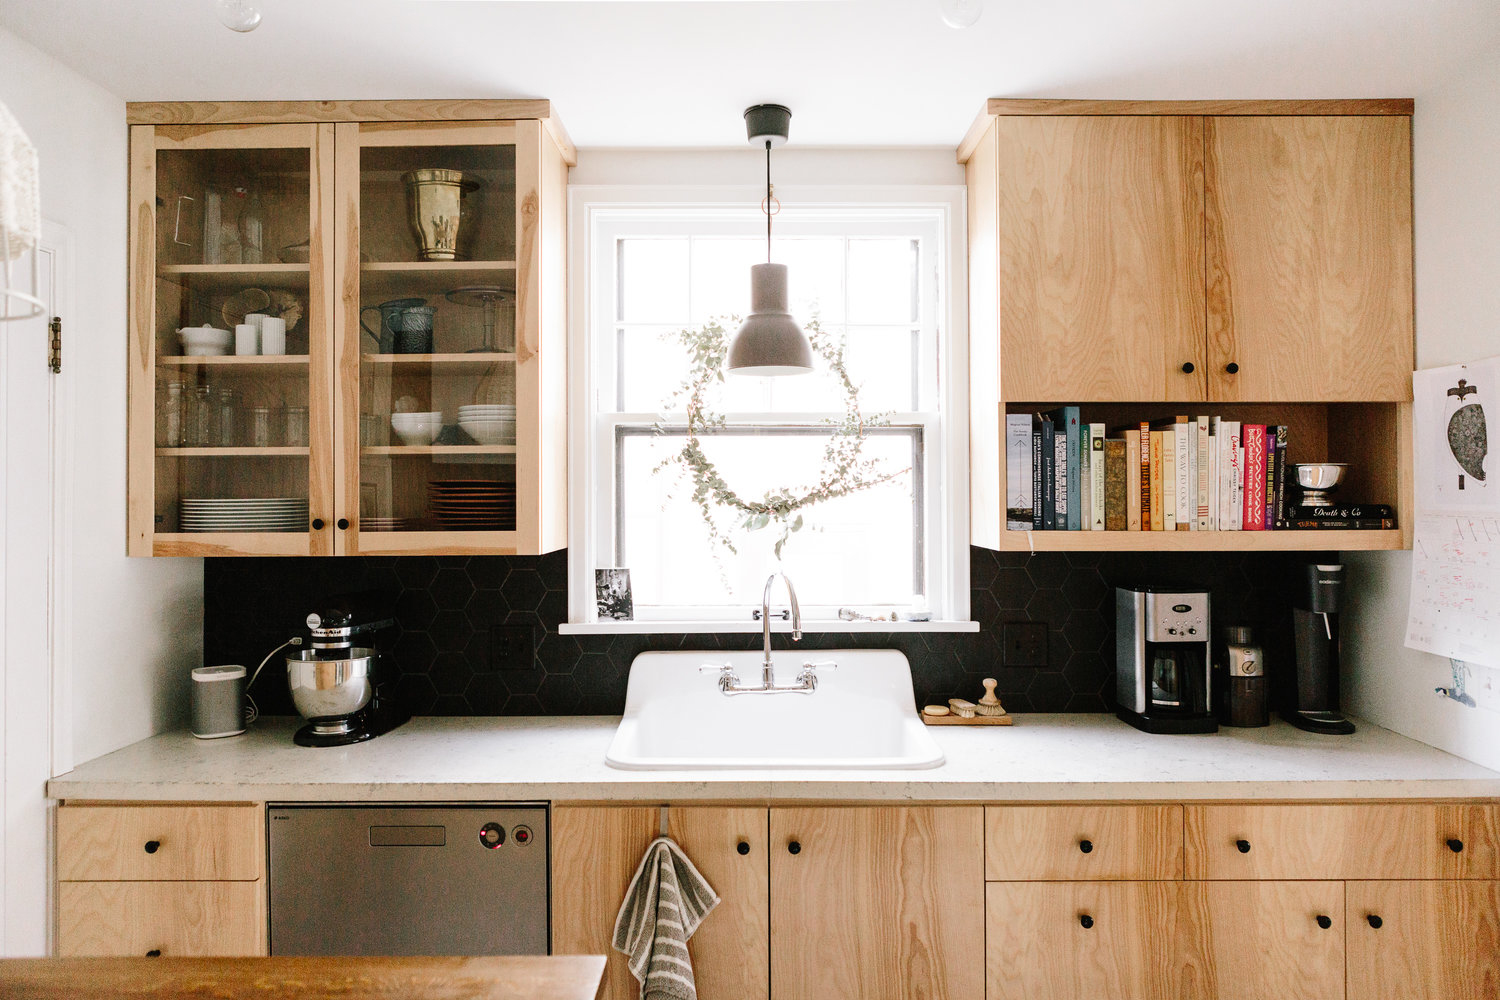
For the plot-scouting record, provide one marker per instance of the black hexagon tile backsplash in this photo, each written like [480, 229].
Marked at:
[443, 650]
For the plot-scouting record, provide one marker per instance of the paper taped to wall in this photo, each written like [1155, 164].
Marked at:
[1455, 576]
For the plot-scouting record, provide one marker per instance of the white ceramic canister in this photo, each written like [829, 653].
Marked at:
[273, 335]
[246, 339]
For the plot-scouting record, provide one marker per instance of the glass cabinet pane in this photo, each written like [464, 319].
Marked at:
[233, 317]
[437, 334]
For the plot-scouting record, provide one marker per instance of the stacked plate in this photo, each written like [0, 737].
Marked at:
[473, 504]
[489, 423]
[250, 514]
[367, 523]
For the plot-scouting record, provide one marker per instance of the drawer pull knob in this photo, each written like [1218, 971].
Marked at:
[742, 847]
[1455, 845]
[1086, 846]
[1085, 921]
[152, 846]
[795, 847]
[1375, 921]
[1187, 368]
[1243, 846]
[1324, 922]
[154, 953]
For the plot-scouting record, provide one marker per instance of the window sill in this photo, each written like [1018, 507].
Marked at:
[777, 625]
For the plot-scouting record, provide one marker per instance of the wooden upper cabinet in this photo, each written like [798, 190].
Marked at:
[1309, 240]
[1100, 228]
[878, 903]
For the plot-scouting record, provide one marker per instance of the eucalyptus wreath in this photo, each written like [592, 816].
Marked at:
[844, 469]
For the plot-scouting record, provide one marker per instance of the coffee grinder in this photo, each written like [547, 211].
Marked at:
[337, 685]
[1243, 701]
[1163, 680]
[1315, 623]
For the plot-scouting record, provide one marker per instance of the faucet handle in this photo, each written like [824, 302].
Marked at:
[718, 667]
[820, 665]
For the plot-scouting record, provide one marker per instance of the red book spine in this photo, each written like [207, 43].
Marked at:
[1255, 477]
[1145, 475]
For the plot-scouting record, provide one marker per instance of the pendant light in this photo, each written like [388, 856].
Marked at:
[770, 342]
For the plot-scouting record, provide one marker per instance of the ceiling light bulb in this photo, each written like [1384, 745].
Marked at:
[237, 15]
[960, 13]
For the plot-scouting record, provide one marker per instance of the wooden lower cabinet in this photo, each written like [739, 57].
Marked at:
[877, 903]
[595, 853]
[1430, 940]
[177, 919]
[1266, 939]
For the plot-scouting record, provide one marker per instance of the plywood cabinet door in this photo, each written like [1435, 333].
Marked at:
[1437, 940]
[1100, 229]
[1068, 940]
[877, 903]
[173, 919]
[1309, 251]
[1269, 939]
[595, 853]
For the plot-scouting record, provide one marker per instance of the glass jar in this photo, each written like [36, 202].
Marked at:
[201, 426]
[262, 428]
[227, 401]
[169, 413]
[296, 427]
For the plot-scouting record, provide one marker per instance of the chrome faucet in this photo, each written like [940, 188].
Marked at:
[807, 677]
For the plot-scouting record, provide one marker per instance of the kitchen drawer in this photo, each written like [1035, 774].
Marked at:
[1364, 841]
[128, 843]
[172, 918]
[1082, 842]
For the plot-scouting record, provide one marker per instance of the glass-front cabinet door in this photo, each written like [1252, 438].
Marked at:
[231, 449]
[437, 359]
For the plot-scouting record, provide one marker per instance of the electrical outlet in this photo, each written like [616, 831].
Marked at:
[512, 647]
[1024, 644]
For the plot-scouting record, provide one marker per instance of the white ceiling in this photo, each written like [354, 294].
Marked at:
[854, 72]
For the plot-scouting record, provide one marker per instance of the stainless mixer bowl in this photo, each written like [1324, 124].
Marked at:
[330, 684]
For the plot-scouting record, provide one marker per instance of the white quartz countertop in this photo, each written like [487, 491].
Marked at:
[1040, 758]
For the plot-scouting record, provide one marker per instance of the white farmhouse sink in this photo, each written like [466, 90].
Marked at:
[863, 715]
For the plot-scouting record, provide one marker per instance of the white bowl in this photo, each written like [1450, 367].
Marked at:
[417, 428]
[205, 341]
[490, 431]
[415, 419]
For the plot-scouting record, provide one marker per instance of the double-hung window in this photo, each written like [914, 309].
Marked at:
[875, 277]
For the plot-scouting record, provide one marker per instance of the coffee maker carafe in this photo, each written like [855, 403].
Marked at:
[1163, 682]
[1315, 622]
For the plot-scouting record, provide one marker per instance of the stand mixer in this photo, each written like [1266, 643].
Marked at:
[335, 683]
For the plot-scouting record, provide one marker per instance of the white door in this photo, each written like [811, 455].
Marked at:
[28, 415]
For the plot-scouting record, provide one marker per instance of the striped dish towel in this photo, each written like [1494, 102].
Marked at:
[666, 901]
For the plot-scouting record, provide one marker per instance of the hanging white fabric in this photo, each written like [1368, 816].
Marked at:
[20, 217]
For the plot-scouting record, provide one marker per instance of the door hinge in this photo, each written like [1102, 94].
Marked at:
[54, 345]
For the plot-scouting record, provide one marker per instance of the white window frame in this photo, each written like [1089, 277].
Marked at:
[601, 214]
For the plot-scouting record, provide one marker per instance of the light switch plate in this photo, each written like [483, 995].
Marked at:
[1023, 644]
[512, 647]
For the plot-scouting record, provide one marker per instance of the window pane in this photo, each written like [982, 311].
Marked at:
[653, 280]
[882, 361]
[857, 550]
[882, 280]
[721, 276]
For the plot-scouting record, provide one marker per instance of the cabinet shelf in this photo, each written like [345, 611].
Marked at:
[434, 277]
[246, 451]
[1325, 540]
[398, 450]
[451, 364]
[232, 359]
[227, 277]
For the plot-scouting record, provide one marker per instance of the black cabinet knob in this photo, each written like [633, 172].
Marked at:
[152, 846]
[1085, 921]
[794, 847]
[1232, 368]
[742, 847]
[1086, 846]
[1374, 920]
[154, 953]
[317, 524]
[1455, 845]
[1243, 846]
[1324, 922]
[343, 523]
[1188, 368]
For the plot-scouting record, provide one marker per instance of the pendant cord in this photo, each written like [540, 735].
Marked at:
[768, 201]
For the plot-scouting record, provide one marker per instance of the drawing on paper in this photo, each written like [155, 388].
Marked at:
[1467, 441]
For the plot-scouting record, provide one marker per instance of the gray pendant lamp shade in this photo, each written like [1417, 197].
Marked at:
[769, 342]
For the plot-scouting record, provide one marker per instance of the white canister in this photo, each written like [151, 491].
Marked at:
[246, 339]
[273, 335]
[255, 319]
[218, 701]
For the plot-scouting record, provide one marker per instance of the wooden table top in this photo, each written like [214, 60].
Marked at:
[540, 977]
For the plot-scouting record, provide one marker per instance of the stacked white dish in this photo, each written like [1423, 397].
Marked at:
[205, 341]
[417, 428]
[489, 423]
[251, 514]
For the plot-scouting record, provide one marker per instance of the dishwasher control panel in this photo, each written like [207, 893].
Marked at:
[408, 880]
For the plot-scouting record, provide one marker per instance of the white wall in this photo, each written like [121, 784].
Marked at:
[135, 625]
[790, 165]
[1456, 147]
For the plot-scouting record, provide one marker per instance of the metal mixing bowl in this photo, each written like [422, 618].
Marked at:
[330, 684]
[1320, 475]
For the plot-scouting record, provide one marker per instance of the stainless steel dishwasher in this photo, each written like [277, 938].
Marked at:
[408, 880]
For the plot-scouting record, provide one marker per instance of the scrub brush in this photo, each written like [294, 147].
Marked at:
[962, 709]
[989, 704]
